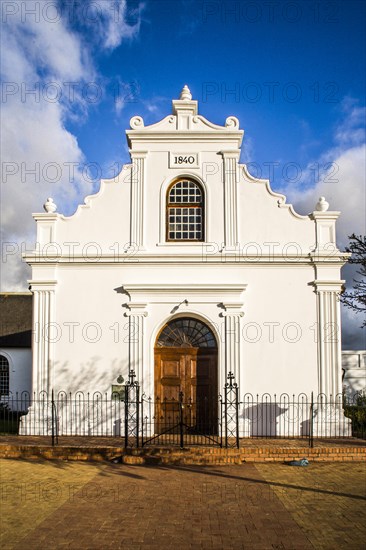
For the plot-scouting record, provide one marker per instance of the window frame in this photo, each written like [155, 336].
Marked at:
[169, 205]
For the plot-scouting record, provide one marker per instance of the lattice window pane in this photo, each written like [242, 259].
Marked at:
[185, 191]
[191, 223]
[185, 223]
[4, 375]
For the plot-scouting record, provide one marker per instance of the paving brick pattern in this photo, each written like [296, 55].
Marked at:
[327, 501]
[100, 506]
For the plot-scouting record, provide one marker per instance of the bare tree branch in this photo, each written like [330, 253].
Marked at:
[355, 299]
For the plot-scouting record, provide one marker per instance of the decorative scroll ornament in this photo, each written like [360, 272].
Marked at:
[136, 122]
[322, 205]
[232, 122]
[49, 206]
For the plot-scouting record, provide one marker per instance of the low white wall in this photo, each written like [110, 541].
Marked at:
[354, 371]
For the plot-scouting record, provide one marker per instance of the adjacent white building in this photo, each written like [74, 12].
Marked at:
[354, 372]
[15, 344]
[184, 268]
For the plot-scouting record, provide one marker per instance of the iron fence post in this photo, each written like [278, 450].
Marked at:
[311, 427]
[237, 415]
[225, 416]
[221, 415]
[142, 420]
[126, 416]
[52, 419]
[181, 420]
[137, 415]
[54, 427]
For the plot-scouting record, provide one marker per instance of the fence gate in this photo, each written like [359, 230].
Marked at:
[231, 412]
[182, 421]
[132, 412]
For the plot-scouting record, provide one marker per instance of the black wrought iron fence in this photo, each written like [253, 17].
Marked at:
[309, 416]
[140, 420]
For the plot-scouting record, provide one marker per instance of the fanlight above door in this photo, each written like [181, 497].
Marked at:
[186, 333]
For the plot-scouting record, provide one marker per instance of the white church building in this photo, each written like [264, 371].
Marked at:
[184, 268]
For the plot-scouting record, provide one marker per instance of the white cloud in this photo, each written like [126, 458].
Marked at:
[125, 93]
[115, 21]
[42, 52]
[342, 173]
[351, 129]
[343, 184]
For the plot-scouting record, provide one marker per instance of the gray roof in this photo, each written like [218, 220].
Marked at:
[16, 319]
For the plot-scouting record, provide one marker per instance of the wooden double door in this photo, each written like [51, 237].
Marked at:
[193, 373]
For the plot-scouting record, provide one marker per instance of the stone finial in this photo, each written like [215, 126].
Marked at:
[322, 205]
[185, 94]
[49, 206]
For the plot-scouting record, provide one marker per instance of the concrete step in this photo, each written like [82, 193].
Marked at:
[188, 455]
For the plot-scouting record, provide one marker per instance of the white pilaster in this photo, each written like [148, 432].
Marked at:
[42, 347]
[137, 312]
[325, 231]
[233, 315]
[329, 337]
[38, 419]
[231, 159]
[137, 198]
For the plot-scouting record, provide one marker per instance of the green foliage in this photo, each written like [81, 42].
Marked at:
[9, 420]
[357, 413]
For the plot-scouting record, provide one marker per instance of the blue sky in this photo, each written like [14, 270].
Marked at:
[292, 72]
[283, 70]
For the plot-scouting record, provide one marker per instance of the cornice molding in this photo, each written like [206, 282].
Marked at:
[328, 285]
[193, 293]
[328, 215]
[233, 309]
[231, 153]
[136, 308]
[46, 217]
[41, 286]
[196, 258]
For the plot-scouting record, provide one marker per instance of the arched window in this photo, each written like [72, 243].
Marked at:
[185, 211]
[4, 375]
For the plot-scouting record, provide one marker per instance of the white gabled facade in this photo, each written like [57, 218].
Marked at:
[264, 279]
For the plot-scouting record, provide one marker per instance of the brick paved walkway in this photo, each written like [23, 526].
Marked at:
[100, 506]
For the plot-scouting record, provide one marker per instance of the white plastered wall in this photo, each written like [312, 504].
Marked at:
[252, 238]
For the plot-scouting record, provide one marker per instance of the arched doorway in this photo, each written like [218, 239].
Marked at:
[186, 368]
